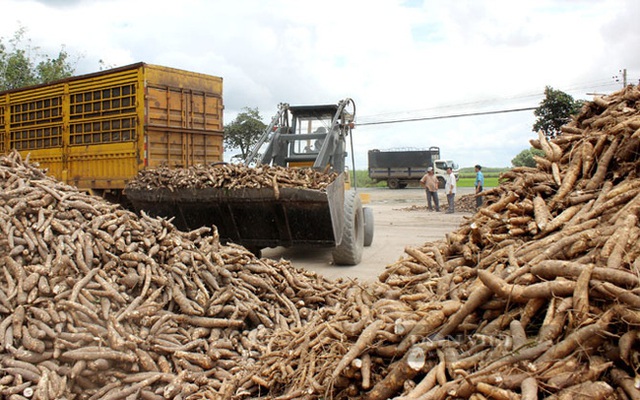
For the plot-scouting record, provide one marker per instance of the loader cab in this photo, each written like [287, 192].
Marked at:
[306, 136]
[317, 133]
[313, 133]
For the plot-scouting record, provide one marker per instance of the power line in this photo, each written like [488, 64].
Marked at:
[512, 110]
[481, 102]
[477, 103]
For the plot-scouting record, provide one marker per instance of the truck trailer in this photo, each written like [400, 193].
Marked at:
[96, 131]
[400, 167]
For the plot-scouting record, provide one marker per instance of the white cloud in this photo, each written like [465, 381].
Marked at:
[394, 58]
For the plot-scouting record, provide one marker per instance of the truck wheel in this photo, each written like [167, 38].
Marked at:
[368, 226]
[441, 183]
[393, 183]
[349, 252]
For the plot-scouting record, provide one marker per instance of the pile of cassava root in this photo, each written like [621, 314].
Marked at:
[98, 303]
[536, 296]
[230, 176]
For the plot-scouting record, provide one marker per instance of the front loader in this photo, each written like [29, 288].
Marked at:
[297, 137]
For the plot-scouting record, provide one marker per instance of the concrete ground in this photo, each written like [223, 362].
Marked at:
[395, 227]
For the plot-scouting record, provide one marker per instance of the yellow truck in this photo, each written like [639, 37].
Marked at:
[96, 131]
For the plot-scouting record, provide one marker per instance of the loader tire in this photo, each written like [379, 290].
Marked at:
[349, 251]
[368, 226]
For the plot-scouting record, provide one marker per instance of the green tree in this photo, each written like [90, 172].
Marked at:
[525, 158]
[22, 64]
[52, 69]
[244, 131]
[554, 111]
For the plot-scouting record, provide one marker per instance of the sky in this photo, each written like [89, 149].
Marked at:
[397, 59]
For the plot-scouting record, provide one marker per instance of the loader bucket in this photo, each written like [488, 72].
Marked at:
[254, 218]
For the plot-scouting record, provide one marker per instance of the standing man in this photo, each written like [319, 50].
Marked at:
[430, 183]
[450, 189]
[479, 185]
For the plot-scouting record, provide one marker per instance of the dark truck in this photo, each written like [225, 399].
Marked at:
[403, 166]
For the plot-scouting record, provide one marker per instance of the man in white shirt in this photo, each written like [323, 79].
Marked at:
[450, 189]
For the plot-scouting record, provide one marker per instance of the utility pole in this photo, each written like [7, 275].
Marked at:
[623, 72]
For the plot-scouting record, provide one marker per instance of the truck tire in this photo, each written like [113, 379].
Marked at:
[441, 182]
[393, 183]
[368, 226]
[349, 252]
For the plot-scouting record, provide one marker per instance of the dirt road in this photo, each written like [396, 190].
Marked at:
[395, 227]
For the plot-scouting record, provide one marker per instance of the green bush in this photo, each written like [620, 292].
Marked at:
[363, 180]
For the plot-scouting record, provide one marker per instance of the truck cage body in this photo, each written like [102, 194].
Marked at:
[96, 131]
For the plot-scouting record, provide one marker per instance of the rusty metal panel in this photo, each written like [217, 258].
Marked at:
[177, 149]
[184, 117]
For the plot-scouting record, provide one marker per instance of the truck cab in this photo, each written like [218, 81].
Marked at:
[440, 170]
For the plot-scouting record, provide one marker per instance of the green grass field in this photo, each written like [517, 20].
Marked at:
[468, 176]
[469, 182]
